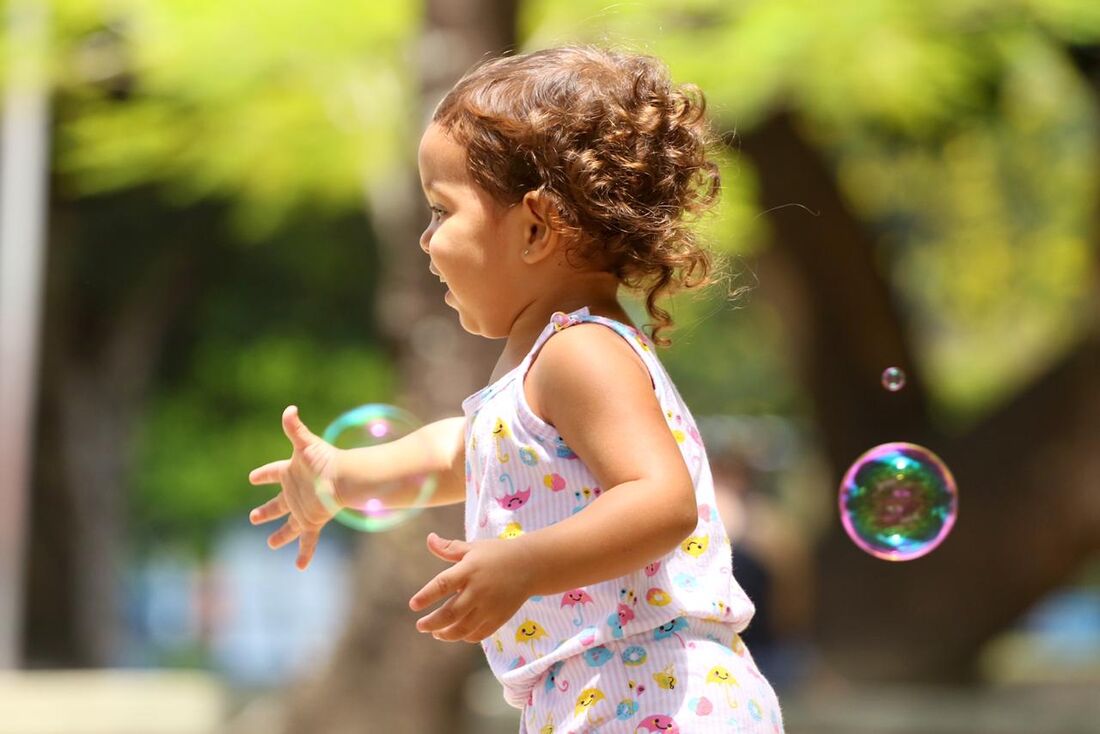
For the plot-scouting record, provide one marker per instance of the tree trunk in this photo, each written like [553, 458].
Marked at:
[386, 676]
[1029, 513]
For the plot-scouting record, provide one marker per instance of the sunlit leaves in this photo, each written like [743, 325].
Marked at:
[956, 127]
[279, 107]
[200, 440]
[989, 231]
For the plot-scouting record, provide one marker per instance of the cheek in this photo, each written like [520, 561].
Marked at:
[440, 247]
[455, 270]
[458, 253]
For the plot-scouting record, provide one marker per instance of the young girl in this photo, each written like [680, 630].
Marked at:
[595, 572]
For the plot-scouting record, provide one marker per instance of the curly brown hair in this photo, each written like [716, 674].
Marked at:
[626, 156]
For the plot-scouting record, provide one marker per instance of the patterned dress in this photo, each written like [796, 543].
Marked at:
[657, 650]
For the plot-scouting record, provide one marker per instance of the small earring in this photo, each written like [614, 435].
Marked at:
[526, 252]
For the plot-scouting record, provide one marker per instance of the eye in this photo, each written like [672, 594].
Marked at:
[436, 211]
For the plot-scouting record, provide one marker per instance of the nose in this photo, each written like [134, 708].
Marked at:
[425, 238]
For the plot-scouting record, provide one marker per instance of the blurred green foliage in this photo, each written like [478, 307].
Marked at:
[988, 234]
[957, 128]
[285, 108]
[200, 441]
[293, 326]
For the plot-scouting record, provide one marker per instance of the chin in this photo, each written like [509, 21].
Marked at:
[476, 327]
[465, 321]
[471, 328]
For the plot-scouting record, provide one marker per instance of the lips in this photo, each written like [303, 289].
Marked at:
[433, 271]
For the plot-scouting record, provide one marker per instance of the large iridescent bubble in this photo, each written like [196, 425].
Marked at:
[898, 501]
[385, 504]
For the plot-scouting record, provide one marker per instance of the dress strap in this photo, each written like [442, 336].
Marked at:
[641, 344]
[558, 320]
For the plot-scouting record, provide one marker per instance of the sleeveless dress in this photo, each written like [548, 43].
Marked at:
[657, 650]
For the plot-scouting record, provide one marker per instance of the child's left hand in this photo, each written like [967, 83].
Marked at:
[489, 582]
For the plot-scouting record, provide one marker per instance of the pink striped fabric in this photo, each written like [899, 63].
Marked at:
[521, 476]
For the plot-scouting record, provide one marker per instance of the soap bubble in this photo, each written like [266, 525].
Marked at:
[893, 379]
[898, 501]
[373, 511]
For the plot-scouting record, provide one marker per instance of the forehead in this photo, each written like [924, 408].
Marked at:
[440, 158]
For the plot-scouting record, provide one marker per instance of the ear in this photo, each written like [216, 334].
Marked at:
[537, 217]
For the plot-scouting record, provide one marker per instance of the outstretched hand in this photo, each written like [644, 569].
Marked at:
[309, 470]
[489, 581]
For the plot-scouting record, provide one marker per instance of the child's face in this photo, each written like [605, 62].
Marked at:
[473, 243]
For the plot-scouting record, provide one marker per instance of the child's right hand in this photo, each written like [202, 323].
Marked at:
[310, 469]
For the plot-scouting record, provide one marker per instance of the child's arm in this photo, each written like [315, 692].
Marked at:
[590, 385]
[315, 467]
[435, 448]
[611, 419]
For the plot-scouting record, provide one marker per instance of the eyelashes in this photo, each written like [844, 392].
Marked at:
[435, 210]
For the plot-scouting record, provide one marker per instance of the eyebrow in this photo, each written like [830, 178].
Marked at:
[433, 185]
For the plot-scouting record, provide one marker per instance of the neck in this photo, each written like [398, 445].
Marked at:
[598, 291]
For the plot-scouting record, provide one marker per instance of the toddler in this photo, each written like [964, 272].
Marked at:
[595, 572]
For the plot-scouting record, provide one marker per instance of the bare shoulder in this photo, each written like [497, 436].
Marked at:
[597, 393]
[585, 361]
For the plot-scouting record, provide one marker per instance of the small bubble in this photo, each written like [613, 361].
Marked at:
[893, 379]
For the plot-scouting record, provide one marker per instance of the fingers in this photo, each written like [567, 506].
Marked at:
[268, 473]
[448, 550]
[471, 630]
[306, 546]
[296, 430]
[448, 618]
[273, 509]
[470, 627]
[307, 543]
[444, 584]
[284, 535]
[276, 472]
[481, 633]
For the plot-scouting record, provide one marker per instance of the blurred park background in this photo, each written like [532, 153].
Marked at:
[211, 211]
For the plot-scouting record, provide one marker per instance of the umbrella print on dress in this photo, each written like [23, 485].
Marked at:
[658, 723]
[576, 598]
[670, 629]
[724, 678]
[529, 633]
[585, 702]
[513, 500]
[501, 433]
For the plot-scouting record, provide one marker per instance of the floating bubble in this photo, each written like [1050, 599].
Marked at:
[893, 379]
[898, 501]
[386, 504]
